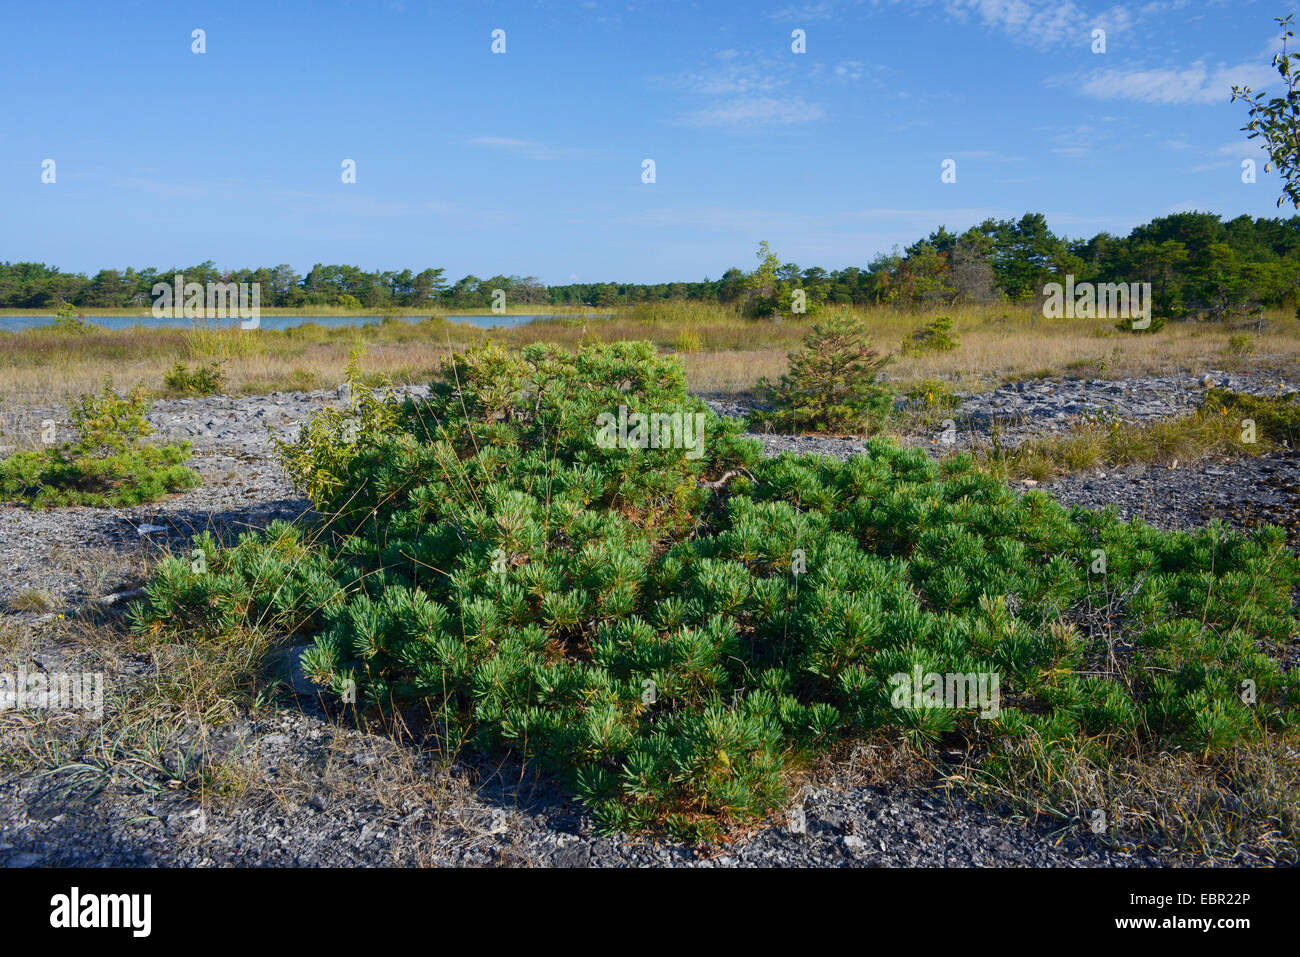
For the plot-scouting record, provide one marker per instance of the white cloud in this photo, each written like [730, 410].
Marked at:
[1196, 83]
[1045, 24]
[850, 70]
[1240, 149]
[529, 149]
[760, 110]
[1232, 154]
[734, 76]
[803, 13]
[987, 156]
[1050, 23]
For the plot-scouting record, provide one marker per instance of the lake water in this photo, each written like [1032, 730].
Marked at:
[19, 323]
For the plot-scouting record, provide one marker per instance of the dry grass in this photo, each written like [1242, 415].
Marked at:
[1236, 808]
[1187, 439]
[165, 732]
[997, 344]
[1214, 431]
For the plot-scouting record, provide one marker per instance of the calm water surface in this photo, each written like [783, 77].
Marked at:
[19, 323]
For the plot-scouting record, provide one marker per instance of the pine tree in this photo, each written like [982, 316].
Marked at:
[831, 385]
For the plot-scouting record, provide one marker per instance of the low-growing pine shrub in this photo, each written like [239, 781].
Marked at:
[201, 380]
[672, 633]
[67, 319]
[1146, 324]
[936, 336]
[106, 466]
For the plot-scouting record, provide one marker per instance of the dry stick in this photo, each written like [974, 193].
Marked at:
[107, 601]
[726, 477]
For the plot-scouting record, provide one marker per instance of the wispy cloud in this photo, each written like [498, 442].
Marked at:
[1079, 139]
[1230, 155]
[733, 74]
[803, 13]
[1196, 83]
[757, 110]
[1241, 149]
[1040, 23]
[1045, 24]
[528, 149]
[740, 89]
[987, 156]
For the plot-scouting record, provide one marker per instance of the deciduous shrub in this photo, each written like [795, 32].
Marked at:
[671, 635]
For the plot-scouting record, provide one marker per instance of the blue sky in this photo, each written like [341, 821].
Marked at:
[530, 161]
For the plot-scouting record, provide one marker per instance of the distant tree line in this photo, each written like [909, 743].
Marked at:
[1198, 266]
[37, 286]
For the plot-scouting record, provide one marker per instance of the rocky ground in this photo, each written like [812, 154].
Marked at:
[329, 794]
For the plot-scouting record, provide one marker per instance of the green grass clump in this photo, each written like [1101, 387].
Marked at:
[106, 466]
[687, 341]
[672, 634]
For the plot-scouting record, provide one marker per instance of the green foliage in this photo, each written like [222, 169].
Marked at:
[106, 466]
[66, 319]
[770, 289]
[1276, 417]
[1131, 325]
[200, 380]
[936, 336]
[934, 394]
[1197, 263]
[1240, 345]
[929, 402]
[687, 342]
[831, 385]
[107, 423]
[320, 460]
[671, 635]
[1275, 121]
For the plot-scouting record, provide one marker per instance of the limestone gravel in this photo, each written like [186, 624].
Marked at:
[343, 797]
